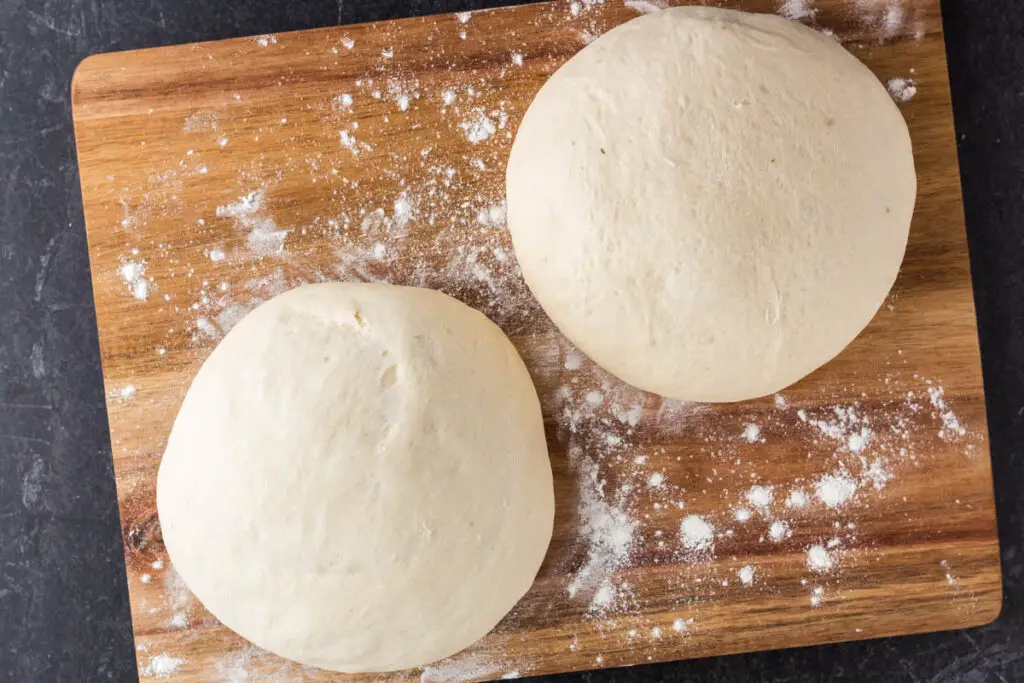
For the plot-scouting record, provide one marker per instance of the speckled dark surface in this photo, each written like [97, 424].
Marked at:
[63, 597]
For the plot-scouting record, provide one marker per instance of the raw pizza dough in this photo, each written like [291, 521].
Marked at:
[358, 478]
[711, 204]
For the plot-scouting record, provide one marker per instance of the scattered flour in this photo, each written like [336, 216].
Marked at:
[819, 559]
[162, 666]
[176, 593]
[403, 212]
[342, 102]
[643, 6]
[573, 360]
[348, 141]
[876, 475]
[457, 669]
[846, 425]
[950, 576]
[604, 596]
[746, 575]
[202, 122]
[125, 393]
[797, 498]
[698, 536]
[796, 10]
[236, 668]
[892, 20]
[835, 489]
[249, 213]
[205, 327]
[609, 531]
[752, 433]
[492, 216]
[132, 275]
[779, 531]
[760, 497]
[902, 89]
[951, 427]
[887, 18]
[478, 126]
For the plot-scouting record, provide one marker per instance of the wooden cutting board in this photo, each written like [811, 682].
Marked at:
[857, 504]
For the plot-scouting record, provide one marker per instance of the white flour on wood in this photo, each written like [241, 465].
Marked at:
[796, 10]
[263, 236]
[901, 89]
[161, 666]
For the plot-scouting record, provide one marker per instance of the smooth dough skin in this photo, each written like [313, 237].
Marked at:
[358, 478]
[711, 204]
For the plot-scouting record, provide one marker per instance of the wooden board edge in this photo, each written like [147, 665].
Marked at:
[992, 600]
[961, 218]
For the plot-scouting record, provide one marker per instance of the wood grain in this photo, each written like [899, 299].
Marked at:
[166, 136]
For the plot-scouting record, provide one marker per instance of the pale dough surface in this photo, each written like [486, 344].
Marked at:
[358, 478]
[711, 204]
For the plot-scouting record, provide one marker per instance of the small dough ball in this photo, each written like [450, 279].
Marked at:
[358, 478]
[711, 204]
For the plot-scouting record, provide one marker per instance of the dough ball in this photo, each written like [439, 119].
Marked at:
[358, 478]
[711, 204]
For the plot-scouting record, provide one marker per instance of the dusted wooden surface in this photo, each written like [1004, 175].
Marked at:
[167, 136]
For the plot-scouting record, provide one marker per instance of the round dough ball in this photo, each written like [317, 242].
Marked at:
[358, 478]
[711, 204]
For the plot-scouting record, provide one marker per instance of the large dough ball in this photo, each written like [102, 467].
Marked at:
[711, 204]
[358, 478]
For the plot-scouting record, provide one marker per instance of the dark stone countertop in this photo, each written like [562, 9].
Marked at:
[63, 595]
